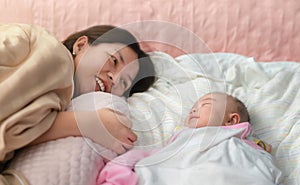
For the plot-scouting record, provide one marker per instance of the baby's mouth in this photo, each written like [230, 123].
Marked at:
[193, 117]
[100, 83]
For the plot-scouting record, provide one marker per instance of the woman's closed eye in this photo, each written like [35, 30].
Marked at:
[113, 59]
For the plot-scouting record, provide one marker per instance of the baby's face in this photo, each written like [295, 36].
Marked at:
[209, 110]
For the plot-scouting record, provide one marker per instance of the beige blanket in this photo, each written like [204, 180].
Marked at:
[36, 81]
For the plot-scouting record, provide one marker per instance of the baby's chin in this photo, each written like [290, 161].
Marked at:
[192, 123]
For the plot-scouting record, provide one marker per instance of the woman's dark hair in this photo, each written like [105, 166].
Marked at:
[111, 34]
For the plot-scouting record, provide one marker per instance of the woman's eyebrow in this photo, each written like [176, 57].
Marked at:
[121, 57]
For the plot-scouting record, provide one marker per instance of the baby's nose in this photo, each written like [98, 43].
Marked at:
[193, 111]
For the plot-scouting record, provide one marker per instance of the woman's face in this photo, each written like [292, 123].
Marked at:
[106, 67]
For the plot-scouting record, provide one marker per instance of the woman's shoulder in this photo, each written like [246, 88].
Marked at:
[20, 40]
[22, 31]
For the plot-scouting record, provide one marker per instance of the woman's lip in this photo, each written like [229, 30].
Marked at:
[105, 85]
[101, 86]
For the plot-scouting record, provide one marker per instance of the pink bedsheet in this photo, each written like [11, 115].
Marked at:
[268, 30]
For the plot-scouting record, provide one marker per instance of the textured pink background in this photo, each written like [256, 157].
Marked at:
[268, 30]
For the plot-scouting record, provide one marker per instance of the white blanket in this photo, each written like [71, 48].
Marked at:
[211, 155]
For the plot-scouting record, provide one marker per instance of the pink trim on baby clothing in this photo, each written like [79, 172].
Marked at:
[247, 132]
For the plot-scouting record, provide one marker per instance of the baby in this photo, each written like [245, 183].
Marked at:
[217, 109]
[220, 109]
[212, 109]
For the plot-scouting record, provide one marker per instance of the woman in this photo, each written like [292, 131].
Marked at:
[36, 75]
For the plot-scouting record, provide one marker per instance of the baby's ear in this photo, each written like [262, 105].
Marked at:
[234, 118]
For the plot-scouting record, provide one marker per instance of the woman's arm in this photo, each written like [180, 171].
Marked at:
[105, 127]
[63, 126]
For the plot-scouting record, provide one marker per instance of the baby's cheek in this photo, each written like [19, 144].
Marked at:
[193, 123]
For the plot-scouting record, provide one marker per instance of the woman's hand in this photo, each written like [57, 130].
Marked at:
[105, 127]
[108, 128]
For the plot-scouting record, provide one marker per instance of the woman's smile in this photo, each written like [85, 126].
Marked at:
[100, 84]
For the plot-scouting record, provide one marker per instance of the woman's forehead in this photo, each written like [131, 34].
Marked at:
[126, 55]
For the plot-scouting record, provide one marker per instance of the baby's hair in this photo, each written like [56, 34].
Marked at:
[240, 106]
[241, 109]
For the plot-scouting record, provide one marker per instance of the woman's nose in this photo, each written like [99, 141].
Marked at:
[110, 77]
[113, 78]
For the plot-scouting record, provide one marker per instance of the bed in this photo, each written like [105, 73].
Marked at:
[270, 91]
[210, 46]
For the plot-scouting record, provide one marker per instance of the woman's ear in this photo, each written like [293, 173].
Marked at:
[80, 44]
[234, 118]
